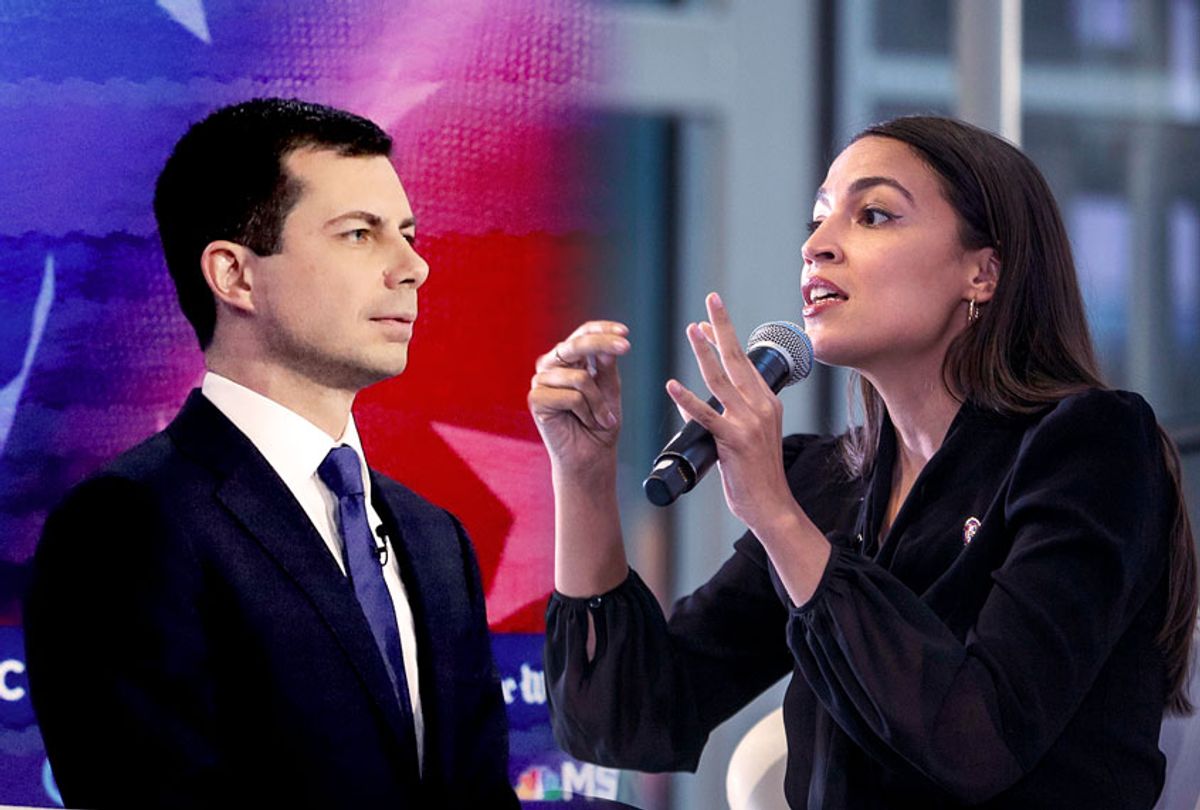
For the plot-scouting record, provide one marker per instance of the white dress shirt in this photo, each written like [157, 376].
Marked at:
[295, 448]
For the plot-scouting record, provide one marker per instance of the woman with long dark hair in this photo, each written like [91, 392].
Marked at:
[984, 595]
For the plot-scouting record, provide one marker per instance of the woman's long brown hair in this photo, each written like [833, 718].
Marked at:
[1032, 347]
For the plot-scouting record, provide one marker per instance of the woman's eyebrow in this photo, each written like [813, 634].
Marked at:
[863, 183]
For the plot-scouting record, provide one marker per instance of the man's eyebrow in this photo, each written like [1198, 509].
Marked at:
[374, 220]
[863, 183]
[366, 216]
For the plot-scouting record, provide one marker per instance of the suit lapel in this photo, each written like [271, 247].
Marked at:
[255, 495]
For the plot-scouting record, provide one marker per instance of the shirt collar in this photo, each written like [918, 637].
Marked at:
[292, 445]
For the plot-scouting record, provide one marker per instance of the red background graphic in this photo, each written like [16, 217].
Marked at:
[454, 426]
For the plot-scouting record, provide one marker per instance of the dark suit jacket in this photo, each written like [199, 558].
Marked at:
[191, 642]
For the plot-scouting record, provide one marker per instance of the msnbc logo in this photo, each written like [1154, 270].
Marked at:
[10, 690]
[541, 782]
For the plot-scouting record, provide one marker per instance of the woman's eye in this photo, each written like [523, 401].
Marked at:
[874, 216]
[813, 224]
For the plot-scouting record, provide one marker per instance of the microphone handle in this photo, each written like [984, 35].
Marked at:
[693, 451]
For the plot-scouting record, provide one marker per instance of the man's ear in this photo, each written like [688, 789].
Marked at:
[228, 271]
[985, 272]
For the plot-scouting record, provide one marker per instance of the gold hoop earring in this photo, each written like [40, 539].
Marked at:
[972, 312]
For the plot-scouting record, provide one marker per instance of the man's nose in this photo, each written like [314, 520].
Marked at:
[408, 267]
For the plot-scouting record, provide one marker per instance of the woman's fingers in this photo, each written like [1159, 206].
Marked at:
[719, 357]
[599, 327]
[548, 403]
[712, 370]
[608, 379]
[721, 333]
[692, 407]
[576, 390]
[746, 400]
[584, 346]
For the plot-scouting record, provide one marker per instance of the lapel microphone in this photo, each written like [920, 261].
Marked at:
[381, 544]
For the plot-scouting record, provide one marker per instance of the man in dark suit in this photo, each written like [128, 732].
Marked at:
[238, 611]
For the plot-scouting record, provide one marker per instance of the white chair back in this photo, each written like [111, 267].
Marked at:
[754, 780]
[1180, 741]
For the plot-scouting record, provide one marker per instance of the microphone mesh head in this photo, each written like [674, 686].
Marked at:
[789, 340]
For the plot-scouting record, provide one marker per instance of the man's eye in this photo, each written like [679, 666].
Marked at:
[411, 238]
[358, 234]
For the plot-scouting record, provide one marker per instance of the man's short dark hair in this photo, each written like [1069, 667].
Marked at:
[226, 179]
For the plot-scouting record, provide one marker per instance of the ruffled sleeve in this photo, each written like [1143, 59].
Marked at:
[654, 689]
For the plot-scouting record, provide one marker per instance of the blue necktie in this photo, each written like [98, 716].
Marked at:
[342, 473]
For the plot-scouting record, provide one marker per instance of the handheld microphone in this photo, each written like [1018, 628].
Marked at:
[783, 355]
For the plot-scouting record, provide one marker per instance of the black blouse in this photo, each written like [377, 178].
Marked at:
[995, 648]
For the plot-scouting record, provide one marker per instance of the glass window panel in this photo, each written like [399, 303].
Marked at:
[1098, 33]
[1100, 229]
[914, 27]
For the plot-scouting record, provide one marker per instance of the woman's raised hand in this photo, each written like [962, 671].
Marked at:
[575, 396]
[749, 433]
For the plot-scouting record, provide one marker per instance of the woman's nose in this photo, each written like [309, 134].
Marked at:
[822, 244]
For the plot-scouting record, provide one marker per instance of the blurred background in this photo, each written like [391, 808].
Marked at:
[729, 114]
[566, 160]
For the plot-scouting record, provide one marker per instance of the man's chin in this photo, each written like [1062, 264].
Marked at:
[360, 375]
[382, 370]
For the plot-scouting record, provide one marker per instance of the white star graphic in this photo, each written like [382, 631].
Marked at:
[10, 393]
[518, 472]
[189, 14]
